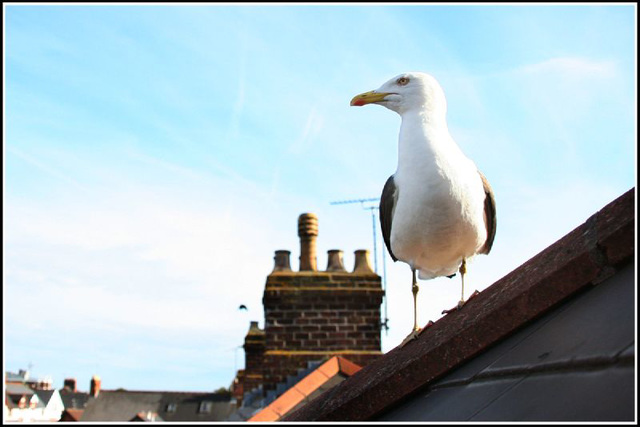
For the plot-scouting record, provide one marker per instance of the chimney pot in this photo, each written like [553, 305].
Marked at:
[362, 264]
[335, 262]
[253, 326]
[308, 231]
[282, 261]
[95, 386]
[70, 383]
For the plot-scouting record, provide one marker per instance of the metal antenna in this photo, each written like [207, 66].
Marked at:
[373, 209]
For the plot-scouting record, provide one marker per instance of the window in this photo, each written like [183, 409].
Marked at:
[171, 407]
[205, 406]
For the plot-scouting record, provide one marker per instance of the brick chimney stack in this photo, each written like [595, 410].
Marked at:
[308, 231]
[254, 343]
[312, 315]
[70, 384]
[95, 386]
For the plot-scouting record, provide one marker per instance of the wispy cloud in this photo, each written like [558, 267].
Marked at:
[310, 130]
[571, 67]
[44, 166]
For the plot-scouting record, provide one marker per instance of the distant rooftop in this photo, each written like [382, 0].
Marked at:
[170, 406]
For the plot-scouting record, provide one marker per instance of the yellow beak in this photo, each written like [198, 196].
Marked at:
[368, 98]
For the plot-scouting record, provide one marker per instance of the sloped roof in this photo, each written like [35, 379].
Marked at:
[125, 405]
[330, 373]
[44, 395]
[18, 389]
[589, 255]
[575, 363]
[14, 393]
[73, 399]
[71, 414]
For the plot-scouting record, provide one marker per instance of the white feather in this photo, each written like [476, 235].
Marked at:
[439, 216]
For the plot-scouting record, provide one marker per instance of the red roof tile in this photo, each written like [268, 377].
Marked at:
[585, 257]
[333, 367]
[71, 415]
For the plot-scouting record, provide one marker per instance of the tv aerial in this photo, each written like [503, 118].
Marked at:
[366, 205]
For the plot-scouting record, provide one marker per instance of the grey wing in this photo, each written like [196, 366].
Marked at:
[490, 219]
[387, 206]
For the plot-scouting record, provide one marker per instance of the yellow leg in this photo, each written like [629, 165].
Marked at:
[415, 331]
[463, 271]
[414, 290]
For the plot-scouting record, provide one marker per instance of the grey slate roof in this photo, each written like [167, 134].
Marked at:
[14, 388]
[125, 405]
[44, 395]
[574, 364]
[74, 399]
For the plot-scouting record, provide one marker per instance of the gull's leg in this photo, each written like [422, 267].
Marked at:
[463, 271]
[414, 289]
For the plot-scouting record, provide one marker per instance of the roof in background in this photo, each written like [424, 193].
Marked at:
[71, 415]
[15, 391]
[125, 405]
[590, 254]
[326, 376]
[74, 399]
[14, 388]
[44, 395]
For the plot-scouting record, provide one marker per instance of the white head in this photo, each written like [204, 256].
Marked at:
[414, 91]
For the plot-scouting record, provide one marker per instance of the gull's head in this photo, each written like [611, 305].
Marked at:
[406, 92]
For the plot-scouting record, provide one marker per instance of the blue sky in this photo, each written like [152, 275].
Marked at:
[155, 157]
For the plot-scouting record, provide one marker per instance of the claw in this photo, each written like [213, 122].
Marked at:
[415, 334]
[456, 308]
[460, 304]
[412, 336]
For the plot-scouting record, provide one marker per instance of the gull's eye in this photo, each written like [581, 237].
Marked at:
[402, 81]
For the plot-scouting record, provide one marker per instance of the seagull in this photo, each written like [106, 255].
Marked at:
[437, 210]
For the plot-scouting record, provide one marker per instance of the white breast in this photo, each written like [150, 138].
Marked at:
[439, 214]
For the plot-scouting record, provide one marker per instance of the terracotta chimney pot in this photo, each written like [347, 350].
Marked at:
[308, 231]
[362, 264]
[335, 262]
[95, 386]
[70, 383]
[282, 261]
